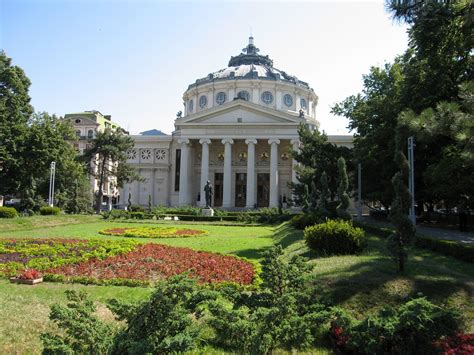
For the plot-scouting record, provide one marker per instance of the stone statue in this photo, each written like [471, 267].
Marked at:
[209, 192]
[179, 114]
[301, 114]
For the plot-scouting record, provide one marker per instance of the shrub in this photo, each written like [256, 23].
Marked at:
[49, 211]
[8, 212]
[413, 328]
[137, 215]
[136, 208]
[84, 332]
[301, 221]
[335, 237]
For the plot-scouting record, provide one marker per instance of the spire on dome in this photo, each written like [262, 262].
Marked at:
[250, 55]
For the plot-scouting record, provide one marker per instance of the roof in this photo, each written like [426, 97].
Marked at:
[250, 65]
[153, 132]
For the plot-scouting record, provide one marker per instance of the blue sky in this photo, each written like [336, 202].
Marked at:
[134, 59]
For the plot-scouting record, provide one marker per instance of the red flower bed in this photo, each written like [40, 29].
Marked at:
[151, 262]
[461, 344]
[29, 274]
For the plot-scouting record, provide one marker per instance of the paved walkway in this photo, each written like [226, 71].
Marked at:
[433, 232]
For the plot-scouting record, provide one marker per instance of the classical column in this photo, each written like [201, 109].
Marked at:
[137, 189]
[274, 190]
[204, 168]
[251, 183]
[227, 186]
[183, 173]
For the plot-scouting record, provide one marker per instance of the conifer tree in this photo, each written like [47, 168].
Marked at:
[342, 190]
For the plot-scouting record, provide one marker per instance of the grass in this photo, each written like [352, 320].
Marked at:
[362, 283]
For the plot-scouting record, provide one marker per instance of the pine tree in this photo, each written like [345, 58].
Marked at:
[342, 190]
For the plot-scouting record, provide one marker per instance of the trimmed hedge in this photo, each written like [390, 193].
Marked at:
[8, 212]
[452, 248]
[49, 211]
[335, 237]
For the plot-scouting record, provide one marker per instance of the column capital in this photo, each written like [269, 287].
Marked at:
[273, 140]
[205, 141]
[183, 141]
[251, 141]
[227, 140]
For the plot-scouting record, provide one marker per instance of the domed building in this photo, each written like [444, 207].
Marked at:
[236, 130]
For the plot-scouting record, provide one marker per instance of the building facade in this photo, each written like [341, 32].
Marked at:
[237, 129]
[86, 125]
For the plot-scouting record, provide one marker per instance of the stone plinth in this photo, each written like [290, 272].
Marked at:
[207, 212]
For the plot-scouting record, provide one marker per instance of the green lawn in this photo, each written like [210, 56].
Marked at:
[361, 283]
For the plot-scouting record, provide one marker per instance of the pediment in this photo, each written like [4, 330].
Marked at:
[241, 112]
[85, 121]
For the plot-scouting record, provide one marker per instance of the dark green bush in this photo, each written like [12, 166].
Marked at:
[49, 211]
[137, 215]
[136, 208]
[8, 212]
[301, 221]
[410, 329]
[452, 248]
[335, 237]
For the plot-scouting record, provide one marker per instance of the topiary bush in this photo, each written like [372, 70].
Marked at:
[8, 212]
[335, 237]
[49, 211]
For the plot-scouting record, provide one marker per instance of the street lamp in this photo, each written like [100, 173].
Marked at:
[52, 175]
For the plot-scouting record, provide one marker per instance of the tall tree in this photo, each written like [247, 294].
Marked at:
[372, 116]
[317, 155]
[107, 160]
[15, 110]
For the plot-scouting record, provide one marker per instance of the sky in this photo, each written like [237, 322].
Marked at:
[134, 59]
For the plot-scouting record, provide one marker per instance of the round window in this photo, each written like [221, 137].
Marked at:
[288, 100]
[303, 103]
[244, 95]
[203, 101]
[267, 97]
[220, 98]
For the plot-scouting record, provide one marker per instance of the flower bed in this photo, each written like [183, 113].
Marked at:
[118, 262]
[153, 232]
[152, 262]
[41, 254]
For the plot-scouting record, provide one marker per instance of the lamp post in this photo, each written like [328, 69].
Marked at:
[411, 177]
[359, 191]
[52, 175]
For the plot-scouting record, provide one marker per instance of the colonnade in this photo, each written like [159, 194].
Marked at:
[184, 190]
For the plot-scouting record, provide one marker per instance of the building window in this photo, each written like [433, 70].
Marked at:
[267, 97]
[145, 154]
[244, 95]
[160, 154]
[220, 98]
[190, 105]
[288, 100]
[177, 169]
[132, 154]
[303, 104]
[78, 133]
[90, 133]
[203, 101]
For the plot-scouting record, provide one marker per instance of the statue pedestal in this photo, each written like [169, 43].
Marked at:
[207, 212]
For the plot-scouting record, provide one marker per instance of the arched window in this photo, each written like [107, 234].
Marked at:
[244, 95]
[303, 104]
[190, 105]
[267, 97]
[90, 133]
[288, 100]
[220, 98]
[203, 101]
[78, 133]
